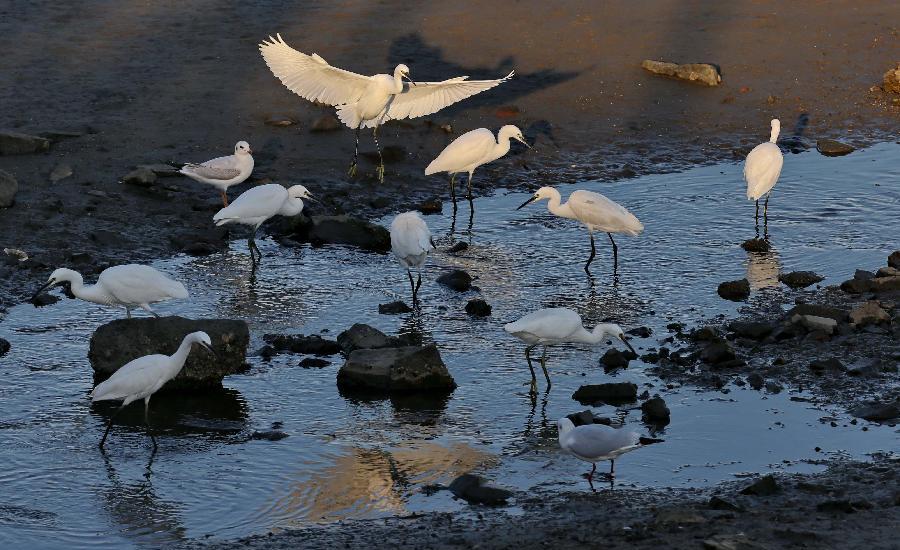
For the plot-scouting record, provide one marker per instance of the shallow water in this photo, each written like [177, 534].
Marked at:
[347, 457]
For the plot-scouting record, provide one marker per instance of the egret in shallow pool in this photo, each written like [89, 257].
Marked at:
[258, 204]
[762, 168]
[365, 101]
[223, 172]
[547, 327]
[144, 376]
[596, 212]
[411, 242]
[471, 150]
[596, 442]
[129, 286]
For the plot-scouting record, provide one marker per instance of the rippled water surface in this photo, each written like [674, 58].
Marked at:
[351, 458]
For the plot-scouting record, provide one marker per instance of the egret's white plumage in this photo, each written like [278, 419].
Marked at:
[471, 150]
[411, 242]
[560, 325]
[763, 167]
[144, 376]
[596, 442]
[258, 204]
[223, 172]
[365, 101]
[127, 286]
[595, 211]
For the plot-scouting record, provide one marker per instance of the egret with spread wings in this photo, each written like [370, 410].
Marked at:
[365, 101]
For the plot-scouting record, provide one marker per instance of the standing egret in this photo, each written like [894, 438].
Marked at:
[596, 442]
[411, 242]
[560, 325]
[596, 212]
[258, 204]
[144, 376]
[223, 172]
[471, 150]
[762, 168]
[365, 101]
[128, 286]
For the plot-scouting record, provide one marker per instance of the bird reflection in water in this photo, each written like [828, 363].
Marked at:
[763, 268]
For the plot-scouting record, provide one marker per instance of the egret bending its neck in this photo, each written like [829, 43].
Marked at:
[600, 332]
[92, 293]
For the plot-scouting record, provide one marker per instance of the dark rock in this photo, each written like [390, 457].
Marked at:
[309, 345]
[361, 336]
[458, 246]
[800, 279]
[44, 299]
[869, 313]
[280, 120]
[875, 411]
[655, 411]
[865, 368]
[835, 506]
[457, 279]
[411, 368]
[394, 308]
[863, 275]
[885, 284]
[773, 387]
[326, 123]
[839, 315]
[763, 487]
[703, 73]
[8, 189]
[344, 230]
[478, 308]
[617, 393]
[476, 490]
[717, 352]
[756, 381]
[754, 330]
[651, 357]
[832, 148]
[588, 417]
[314, 363]
[640, 332]
[268, 435]
[756, 245]
[705, 334]
[614, 359]
[718, 503]
[430, 206]
[15, 143]
[4, 347]
[821, 366]
[267, 352]
[894, 259]
[118, 342]
[887, 272]
[735, 290]
[140, 177]
[856, 286]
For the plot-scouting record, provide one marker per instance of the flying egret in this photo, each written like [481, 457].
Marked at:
[411, 242]
[128, 286]
[144, 376]
[471, 150]
[365, 101]
[596, 212]
[223, 172]
[553, 326]
[596, 442]
[762, 168]
[258, 204]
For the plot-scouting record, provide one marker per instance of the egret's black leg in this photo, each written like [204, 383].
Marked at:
[544, 366]
[128, 312]
[352, 170]
[109, 425]
[757, 211]
[469, 196]
[591, 257]
[766, 212]
[471, 215]
[418, 284]
[147, 422]
[612, 468]
[380, 168]
[453, 188]
[533, 377]
[590, 476]
[615, 253]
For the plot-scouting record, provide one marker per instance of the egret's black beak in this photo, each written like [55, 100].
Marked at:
[313, 199]
[625, 341]
[526, 203]
[49, 284]
[525, 143]
[411, 81]
[209, 349]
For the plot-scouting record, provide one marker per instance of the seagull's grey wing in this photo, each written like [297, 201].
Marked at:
[425, 98]
[211, 172]
[598, 440]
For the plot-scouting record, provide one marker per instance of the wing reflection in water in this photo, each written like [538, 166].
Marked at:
[763, 269]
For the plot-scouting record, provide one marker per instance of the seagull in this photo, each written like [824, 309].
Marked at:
[411, 242]
[559, 325]
[144, 376]
[223, 172]
[762, 168]
[365, 101]
[596, 212]
[596, 442]
[258, 204]
[128, 286]
[471, 150]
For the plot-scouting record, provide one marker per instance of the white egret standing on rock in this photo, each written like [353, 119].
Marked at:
[411, 242]
[223, 172]
[471, 150]
[553, 326]
[144, 376]
[596, 442]
[596, 212]
[365, 101]
[128, 286]
[762, 168]
[256, 205]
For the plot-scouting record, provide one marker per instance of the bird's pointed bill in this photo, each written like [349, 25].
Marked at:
[49, 284]
[526, 203]
[625, 341]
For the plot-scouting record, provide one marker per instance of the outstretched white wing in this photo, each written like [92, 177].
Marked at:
[425, 98]
[310, 76]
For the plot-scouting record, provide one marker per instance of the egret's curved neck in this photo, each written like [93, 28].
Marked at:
[179, 357]
[554, 206]
[775, 131]
[595, 336]
[502, 146]
[398, 81]
[90, 293]
[291, 207]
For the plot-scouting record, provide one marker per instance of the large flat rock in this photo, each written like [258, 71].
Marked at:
[403, 369]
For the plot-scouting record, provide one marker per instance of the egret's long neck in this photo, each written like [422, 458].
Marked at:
[178, 358]
[592, 337]
[501, 148]
[554, 206]
[398, 82]
[776, 129]
[91, 293]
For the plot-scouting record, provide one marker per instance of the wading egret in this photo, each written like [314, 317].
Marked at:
[560, 325]
[596, 442]
[144, 376]
[471, 150]
[411, 242]
[762, 168]
[128, 286]
[365, 101]
[223, 172]
[258, 204]
[596, 212]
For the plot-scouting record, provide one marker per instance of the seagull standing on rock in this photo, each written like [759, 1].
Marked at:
[223, 172]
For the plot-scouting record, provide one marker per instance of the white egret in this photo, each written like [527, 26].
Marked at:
[596, 212]
[144, 376]
[365, 101]
[128, 286]
[596, 442]
[411, 242]
[223, 172]
[762, 168]
[256, 205]
[553, 326]
[471, 150]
